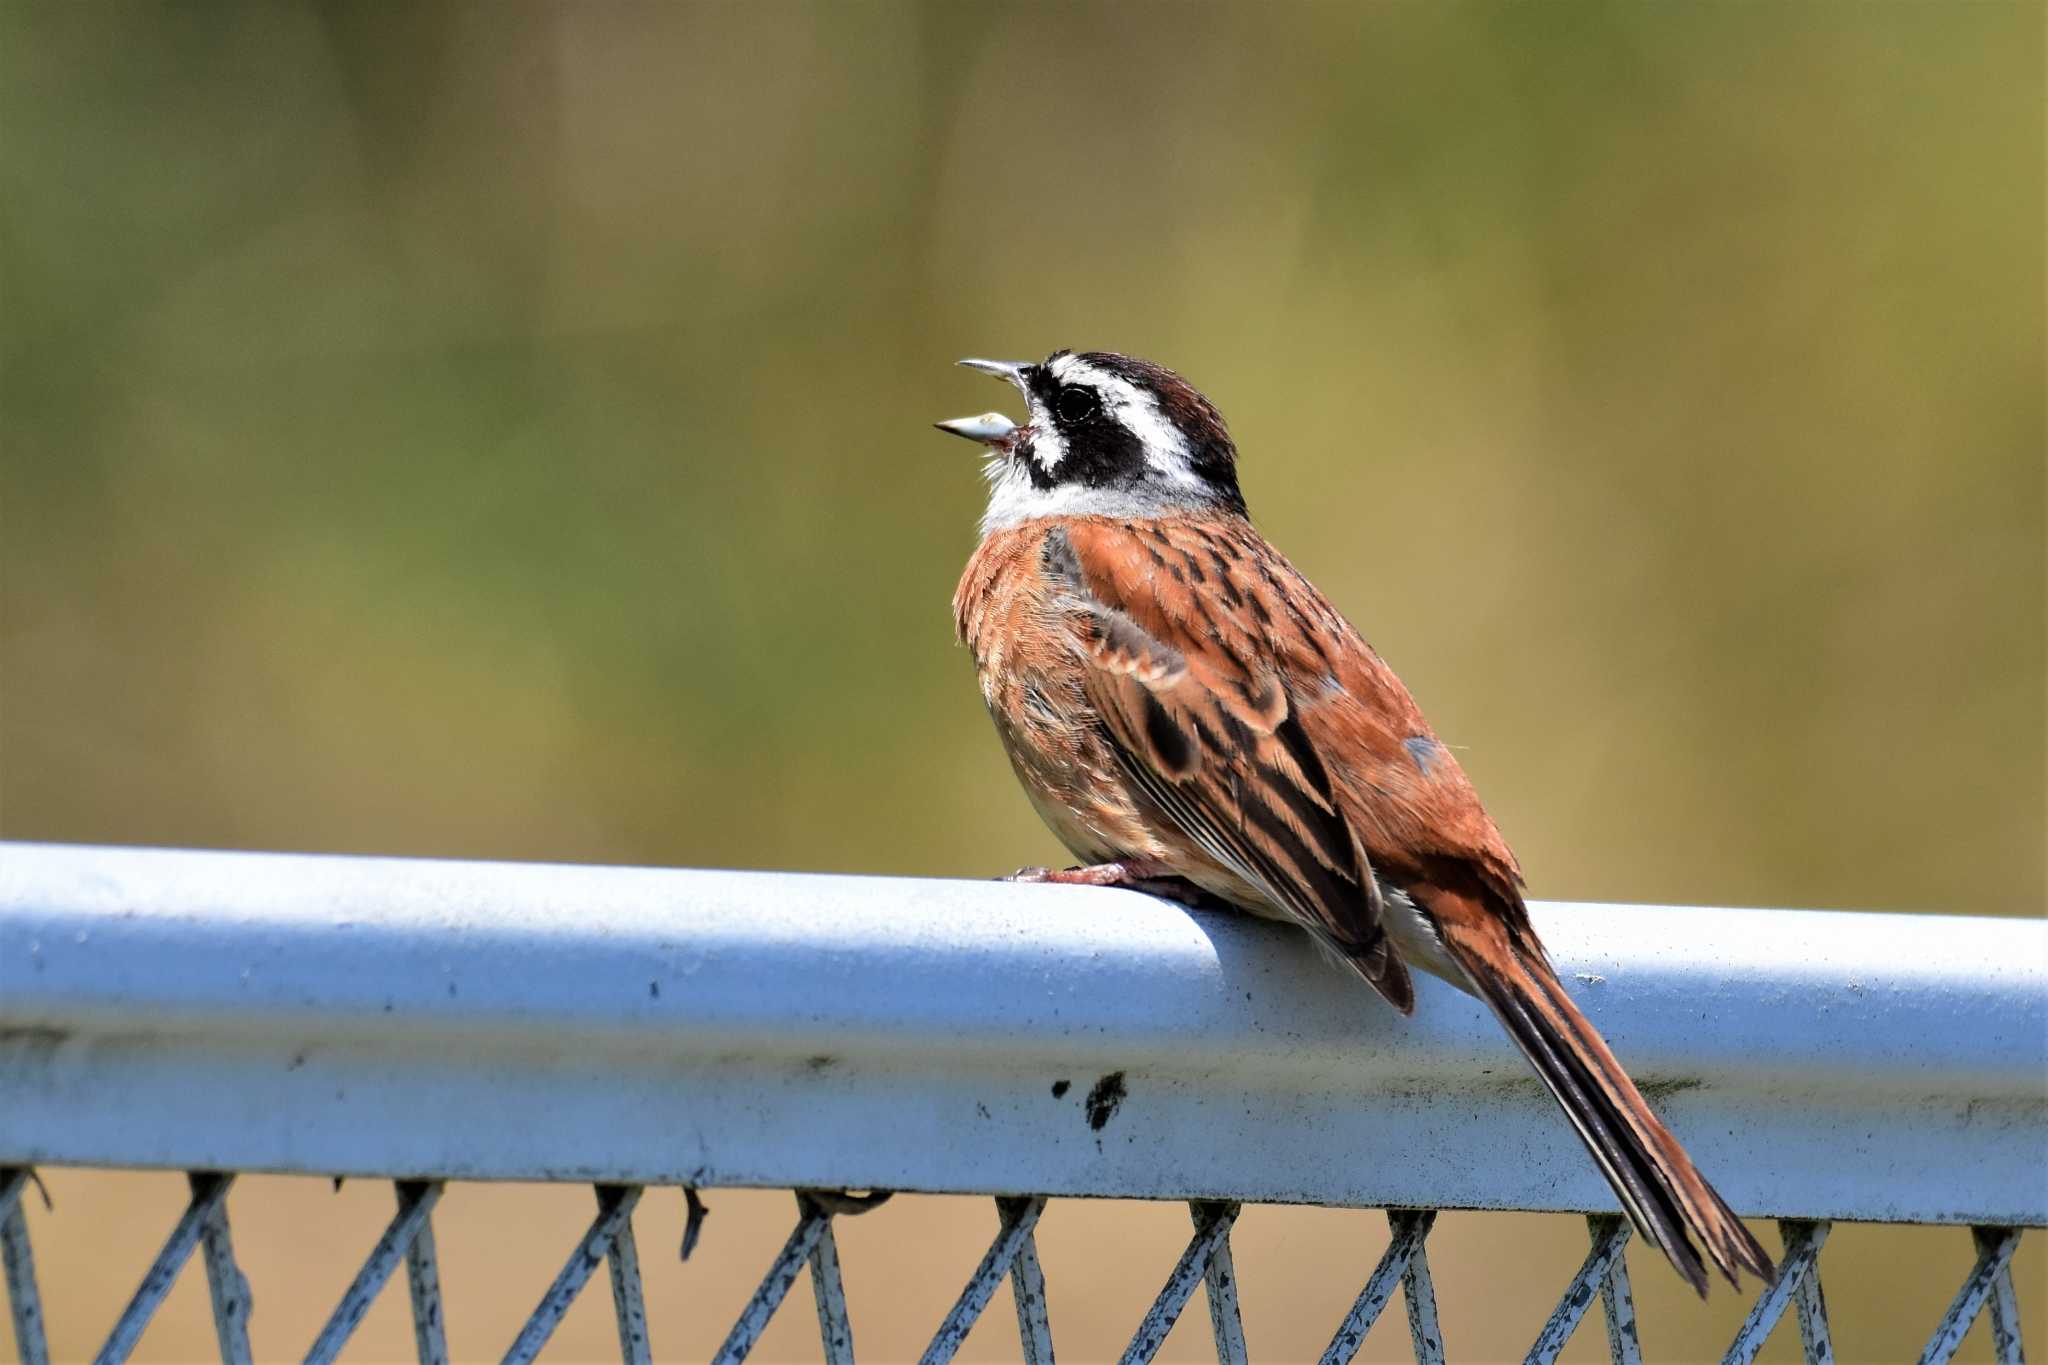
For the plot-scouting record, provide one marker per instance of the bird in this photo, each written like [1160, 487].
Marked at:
[1193, 718]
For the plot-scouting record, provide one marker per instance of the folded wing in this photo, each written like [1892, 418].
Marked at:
[1199, 711]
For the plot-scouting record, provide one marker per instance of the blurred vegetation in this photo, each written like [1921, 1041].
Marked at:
[500, 431]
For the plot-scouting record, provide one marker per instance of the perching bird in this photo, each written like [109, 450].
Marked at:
[1187, 711]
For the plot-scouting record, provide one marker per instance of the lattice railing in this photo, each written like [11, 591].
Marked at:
[1205, 1264]
[779, 1030]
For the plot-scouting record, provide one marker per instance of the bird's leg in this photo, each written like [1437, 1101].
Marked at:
[1151, 877]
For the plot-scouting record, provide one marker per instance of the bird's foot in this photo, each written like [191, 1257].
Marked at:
[1130, 874]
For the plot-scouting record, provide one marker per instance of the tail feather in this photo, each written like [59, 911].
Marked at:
[1665, 1195]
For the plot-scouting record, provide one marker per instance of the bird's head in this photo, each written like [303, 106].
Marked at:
[1105, 435]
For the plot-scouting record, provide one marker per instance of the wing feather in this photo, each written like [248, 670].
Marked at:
[1197, 706]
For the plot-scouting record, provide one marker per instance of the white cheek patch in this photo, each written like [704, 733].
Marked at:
[1048, 447]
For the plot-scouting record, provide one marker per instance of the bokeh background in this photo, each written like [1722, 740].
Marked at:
[500, 431]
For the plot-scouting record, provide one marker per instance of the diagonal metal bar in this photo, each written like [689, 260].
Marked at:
[615, 1205]
[1803, 1242]
[416, 1202]
[1995, 1247]
[629, 1302]
[835, 1329]
[226, 1285]
[1610, 1241]
[1013, 1235]
[208, 1190]
[1226, 1324]
[2005, 1304]
[423, 1282]
[1410, 1227]
[1617, 1299]
[1812, 1304]
[1417, 1289]
[18, 1261]
[1027, 1290]
[788, 1264]
[1212, 1229]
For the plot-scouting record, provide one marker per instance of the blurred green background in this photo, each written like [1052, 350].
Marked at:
[501, 431]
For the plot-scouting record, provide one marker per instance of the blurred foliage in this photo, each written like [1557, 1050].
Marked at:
[501, 430]
[470, 431]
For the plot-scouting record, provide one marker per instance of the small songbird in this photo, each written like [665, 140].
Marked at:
[1192, 718]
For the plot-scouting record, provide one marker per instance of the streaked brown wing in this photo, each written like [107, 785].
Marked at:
[1399, 789]
[1199, 707]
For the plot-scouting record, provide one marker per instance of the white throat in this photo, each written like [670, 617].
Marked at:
[1014, 499]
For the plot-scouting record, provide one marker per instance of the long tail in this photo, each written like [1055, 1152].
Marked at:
[1665, 1196]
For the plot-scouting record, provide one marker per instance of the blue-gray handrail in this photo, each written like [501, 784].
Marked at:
[427, 1021]
[391, 1017]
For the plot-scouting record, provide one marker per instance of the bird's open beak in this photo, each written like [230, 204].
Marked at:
[1013, 370]
[991, 428]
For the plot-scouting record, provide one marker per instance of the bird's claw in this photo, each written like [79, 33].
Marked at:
[1029, 874]
[1140, 877]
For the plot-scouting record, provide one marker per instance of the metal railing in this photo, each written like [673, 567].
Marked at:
[432, 1021]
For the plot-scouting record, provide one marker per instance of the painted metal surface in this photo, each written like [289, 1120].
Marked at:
[1102, 1043]
[390, 1017]
[1990, 1282]
[1987, 1288]
[2005, 1300]
[1027, 1291]
[1815, 1339]
[828, 1296]
[1402, 1263]
[1418, 1290]
[423, 1279]
[209, 1192]
[17, 1260]
[415, 1206]
[1595, 1275]
[1212, 1231]
[629, 1303]
[811, 1225]
[1016, 1219]
[1219, 1287]
[1618, 1300]
[615, 1205]
[226, 1285]
[1799, 1265]
[1995, 1243]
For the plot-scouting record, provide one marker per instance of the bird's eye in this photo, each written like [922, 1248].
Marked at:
[1076, 404]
